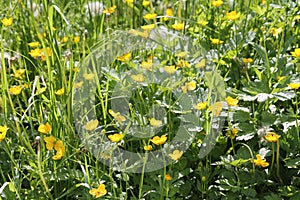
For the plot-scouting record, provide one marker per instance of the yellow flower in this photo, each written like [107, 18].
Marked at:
[125, 57]
[98, 192]
[200, 105]
[19, 73]
[294, 85]
[263, 1]
[148, 147]
[34, 44]
[260, 162]
[42, 53]
[64, 39]
[216, 41]
[296, 53]
[202, 22]
[138, 78]
[147, 65]
[183, 63]
[110, 10]
[120, 118]
[233, 15]
[168, 177]
[15, 90]
[78, 85]
[146, 3]
[216, 108]
[89, 76]
[170, 69]
[169, 13]
[91, 125]
[149, 16]
[3, 131]
[231, 101]
[117, 137]
[159, 140]
[176, 155]
[76, 39]
[129, 1]
[216, 3]
[178, 26]
[35, 53]
[60, 92]
[232, 133]
[44, 128]
[272, 137]
[191, 85]
[60, 150]
[7, 21]
[247, 60]
[140, 33]
[148, 27]
[155, 123]
[280, 78]
[276, 31]
[50, 142]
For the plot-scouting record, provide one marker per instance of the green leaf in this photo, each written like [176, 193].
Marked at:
[238, 162]
[215, 83]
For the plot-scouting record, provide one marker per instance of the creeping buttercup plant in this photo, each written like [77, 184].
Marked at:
[248, 55]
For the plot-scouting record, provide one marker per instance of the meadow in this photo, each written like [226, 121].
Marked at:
[158, 99]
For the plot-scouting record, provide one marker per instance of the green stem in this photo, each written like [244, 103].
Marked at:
[277, 162]
[41, 173]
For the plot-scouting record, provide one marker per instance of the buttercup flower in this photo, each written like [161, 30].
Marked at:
[78, 85]
[233, 15]
[60, 92]
[170, 69]
[216, 3]
[159, 140]
[89, 76]
[7, 21]
[3, 131]
[110, 10]
[34, 44]
[117, 137]
[147, 65]
[247, 60]
[60, 150]
[169, 13]
[155, 123]
[216, 41]
[138, 78]
[232, 133]
[272, 137]
[231, 101]
[176, 155]
[19, 73]
[168, 177]
[148, 27]
[146, 3]
[260, 162]
[148, 147]
[98, 192]
[125, 57]
[296, 53]
[44, 128]
[91, 125]
[76, 39]
[149, 16]
[182, 63]
[294, 85]
[120, 118]
[200, 106]
[216, 108]
[202, 22]
[178, 26]
[15, 90]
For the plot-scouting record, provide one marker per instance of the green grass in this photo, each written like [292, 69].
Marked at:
[80, 160]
